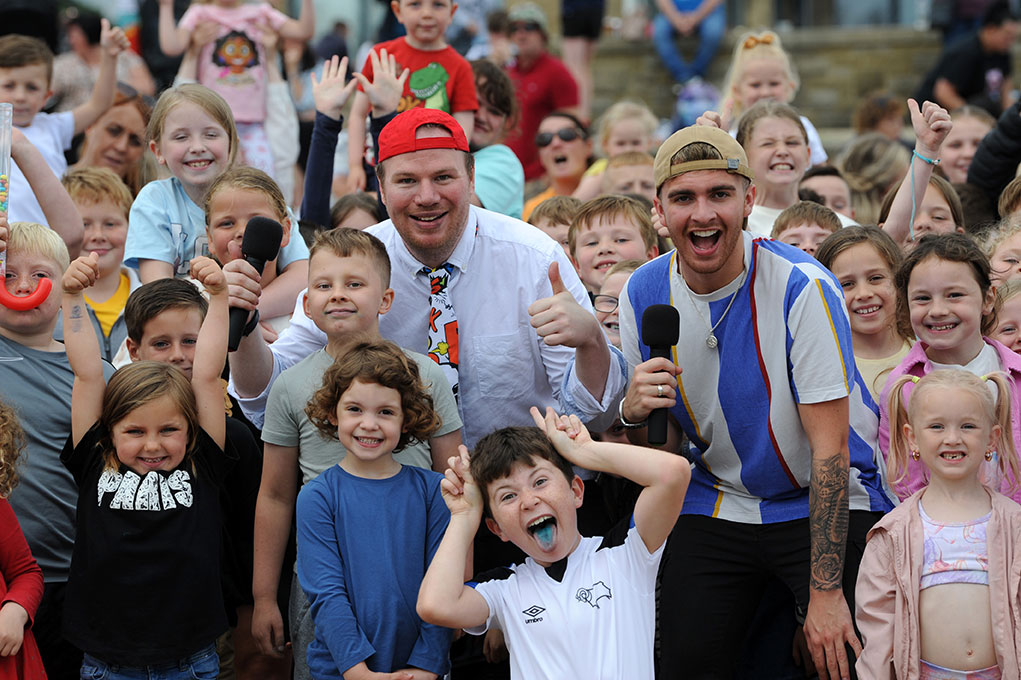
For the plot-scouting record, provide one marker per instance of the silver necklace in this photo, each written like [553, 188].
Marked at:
[710, 340]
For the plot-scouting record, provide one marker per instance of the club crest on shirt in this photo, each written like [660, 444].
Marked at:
[129, 491]
[591, 596]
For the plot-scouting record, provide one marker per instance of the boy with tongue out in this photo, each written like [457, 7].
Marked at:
[593, 597]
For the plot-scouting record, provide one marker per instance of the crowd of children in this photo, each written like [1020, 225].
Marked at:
[324, 521]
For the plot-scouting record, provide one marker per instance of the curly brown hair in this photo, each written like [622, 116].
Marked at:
[383, 363]
[12, 444]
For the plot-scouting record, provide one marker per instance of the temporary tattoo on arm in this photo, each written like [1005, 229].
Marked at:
[828, 517]
[76, 319]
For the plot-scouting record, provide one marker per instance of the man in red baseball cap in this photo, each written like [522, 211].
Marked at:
[482, 276]
[430, 212]
[502, 276]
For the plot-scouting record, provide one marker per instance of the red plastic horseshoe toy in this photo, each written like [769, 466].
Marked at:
[30, 301]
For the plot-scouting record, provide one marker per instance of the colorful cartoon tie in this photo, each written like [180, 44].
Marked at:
[442, 323]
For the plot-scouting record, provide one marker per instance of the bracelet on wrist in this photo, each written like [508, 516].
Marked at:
[624, 422]
[930, 161]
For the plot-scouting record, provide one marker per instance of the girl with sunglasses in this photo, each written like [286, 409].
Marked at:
[564, 151]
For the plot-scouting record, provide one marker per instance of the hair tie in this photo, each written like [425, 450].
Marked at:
[914, 379]
[753, 40]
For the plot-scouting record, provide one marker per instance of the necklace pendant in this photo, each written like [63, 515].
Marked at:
[711, 341]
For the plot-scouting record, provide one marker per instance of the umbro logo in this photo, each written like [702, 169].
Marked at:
[532, 613]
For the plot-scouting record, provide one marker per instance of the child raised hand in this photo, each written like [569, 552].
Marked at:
[112, 42]
[567, 432]
[931, 124]
[82, 346]
[382, 95]
[331, 92]
[208, 273]
[80, 274]
[385, 89]
[460, 492]
[112, 39]
[211, 349]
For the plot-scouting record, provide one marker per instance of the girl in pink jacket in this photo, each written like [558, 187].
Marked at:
[937, 593]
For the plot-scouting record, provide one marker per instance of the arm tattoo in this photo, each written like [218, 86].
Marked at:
[828, 517]
[76, 319]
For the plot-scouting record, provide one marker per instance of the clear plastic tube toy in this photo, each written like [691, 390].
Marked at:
[8, 299]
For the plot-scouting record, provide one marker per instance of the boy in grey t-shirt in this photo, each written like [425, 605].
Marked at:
[348, 288]
[37, 379]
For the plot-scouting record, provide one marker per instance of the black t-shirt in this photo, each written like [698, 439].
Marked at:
[144, 586]
[970, 69]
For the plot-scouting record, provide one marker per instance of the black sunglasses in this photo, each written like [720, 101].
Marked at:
[130, 92]
[544, 139]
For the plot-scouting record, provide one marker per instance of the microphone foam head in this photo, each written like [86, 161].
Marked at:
[661, 326]
[262, 238]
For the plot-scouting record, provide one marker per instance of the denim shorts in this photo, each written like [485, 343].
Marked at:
[203, 665]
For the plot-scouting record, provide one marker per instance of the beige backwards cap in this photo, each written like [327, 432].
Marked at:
[733, 158]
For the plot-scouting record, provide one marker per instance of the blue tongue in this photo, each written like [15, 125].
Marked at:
[544, 535]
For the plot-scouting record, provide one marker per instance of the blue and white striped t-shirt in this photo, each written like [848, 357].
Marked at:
[786, 340]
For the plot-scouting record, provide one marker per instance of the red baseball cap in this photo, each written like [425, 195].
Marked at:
[399, 134]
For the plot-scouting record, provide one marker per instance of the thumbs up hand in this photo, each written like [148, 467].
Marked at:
[80, 274]
[560, 320]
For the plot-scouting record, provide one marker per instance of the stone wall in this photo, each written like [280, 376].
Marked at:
[837, 66]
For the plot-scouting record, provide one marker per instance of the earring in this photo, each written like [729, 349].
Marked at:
[989, 455]
[915, 455]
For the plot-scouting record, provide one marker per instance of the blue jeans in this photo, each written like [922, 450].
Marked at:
[203, 665]
[710, 33]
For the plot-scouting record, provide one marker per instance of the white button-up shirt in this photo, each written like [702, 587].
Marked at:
[501, 267]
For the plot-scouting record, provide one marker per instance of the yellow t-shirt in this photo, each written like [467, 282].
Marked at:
[597, 168]
[108, 312]
[875, 371]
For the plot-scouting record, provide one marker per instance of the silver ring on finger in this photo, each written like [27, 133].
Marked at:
[659, 390]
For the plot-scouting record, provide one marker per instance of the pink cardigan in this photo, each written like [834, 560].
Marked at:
[917, 363]
[886, 596]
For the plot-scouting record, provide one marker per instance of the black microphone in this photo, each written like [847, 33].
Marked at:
[661, 328]
[260, 244]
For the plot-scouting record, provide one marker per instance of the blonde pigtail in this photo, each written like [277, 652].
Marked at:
[899, 453]
[1007, 455]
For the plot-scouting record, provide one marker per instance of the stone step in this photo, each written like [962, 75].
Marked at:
[837, 68]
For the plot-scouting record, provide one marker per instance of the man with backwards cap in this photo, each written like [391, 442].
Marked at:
[501, 279]
[764, 385]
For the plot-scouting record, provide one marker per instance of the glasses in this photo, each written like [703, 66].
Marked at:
[524, 26]
[129, 93]
[604, 304]
[544, 139]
